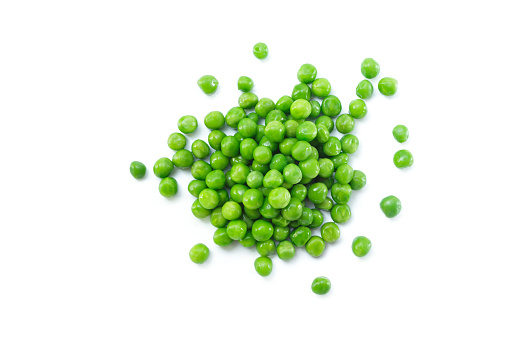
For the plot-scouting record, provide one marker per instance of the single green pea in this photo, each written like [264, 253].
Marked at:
[291, 128]
[262, 230]
[284, 103]
[317, 219]
[254, 179]
[341, 193]
[256, 166]
[163, 167]
[235, 115]
[340, 159]
[281, 233]
[262, 154]
[292, 174]
[230, 146]
[214, 120]
[331, 106]
[260, 50]
[248, 240]
[245, 84]
[301, 150]
[247, 128]
[281, 222]
[177, 141]
[278, 162]
[326, 167]
[292, 211]
[275, 115]
[239, 160]
[183, 158]
[253, 116]
[264, 107]
[187, 124]
[267, 210]
[237, 192]
[248, 100]
[199, 211]
[325, 121]
[300, 109]
[247, 147]
[273, 179]
[314, 153]
[370, 68]
[307, 217]
[301, 91]
[321, 87]
[349, 143]
[209, 198]
[215, 137]
[199, 253]
[358, 108]
[138, 169]
[279, 197]
[400, 133]
[249, 222]
[208, 84]
[322, 133]
[223, 196]
[317, 193]
[330, 232]
[403, 159]
[300, 236]
[358, 181]
[345, 123]
[306, 131]
[218, 161]
[260, 133]
[316, 109]
[168, 187]
[361, 246]
[307, 73]
[236, 229]
[310, 168]
[221, 237]
[315, 246]
[270, 144]
[275, 131]
[285, 250]
[388, 86]
[340, 213]
[364, 89]
[200, 169]
[239, 173]
[263, 266]
[321, 285]
[266, 248]
[217, 219]
[326, 205]
[344, 174]
[299, 192]
[252, 214]
[327, 181]
[215, 179]
[200, 149]
[228, 179]
[332, 147]
[391, 206]
[253, 199]
[285, 146]
[196, 186]
[231, 210]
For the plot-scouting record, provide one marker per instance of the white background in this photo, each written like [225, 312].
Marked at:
[86, 251]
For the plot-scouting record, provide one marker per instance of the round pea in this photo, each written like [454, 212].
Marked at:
[278, 162]
[330, 232]
[215, 137]
[340, 159]
[284, 103]
[187, 124]
[317, 192]
[301, 150]
[331, 106]
[247, 147]
[237, 192]
[391, 206]
[291, 128]
[230, 146]
[403, 159]
[218, 160]
[306, 131]
[307, 73]
[317, 219]
[340, 213]
[276, 115]
[310, 168]
[163, 167]
[177, 141]
[199, 253]
[138, 169]
[223, 196]
[315, 246]
[364, 89]
[361, 246]
[248, 240]
[209, 198]
[275, 131]
[292, 174]
[285, 250]
[266, 142]
[300, 109]
[236, 229]
[208, 84]
[400, 133]
[248, 100]
[326, 167]
[345, 123]
[344, 174]
[273, 179]
[215, 179]
[358, 108]
[370, 68]
[247, 128]
[388, 86]
[221, 237]
[299, 192]
[199, 211]
[200, 149]
[300, 236]
[332, 147]
[326, 205]
[349, 143]
[322, 134]
[168, 187]
[183, 158]
[260, 51]
[279, 197]
[307, 217]
[321, 285]
[254, 179]
[262, 230]
[245, 84]
[196, 186]
[358, 180]
[235, 115]
[301, 91]
[293, 210]
[217, 219]
[266, 247]
[256, 166]
[321, 87]
[228, 179]
[239, 173]
[231, 210]
[263, 266]
[341, 193]
[281, 233]
[214, 120]
[200, 169]
[267, 210]
[253, 199]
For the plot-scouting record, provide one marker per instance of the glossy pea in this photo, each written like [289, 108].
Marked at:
[262, 230]
[200, 169]
[236, 229]
[267, 210]
[361, 246]
[199, 253]
[370, 68]
[403, 159]
[215, 179]
[388, 86]
[266, 248]
[254, 179]
[331, 106]
[322, 134]
[400, 133]
[221, 237]
[187, 124]
[332, 147]
[137, 169]
[223, 196]
[358, 108]
[247, 128]
[307, 216]
[285, 250]
[253, 199]
[341, 193]
[247, 147]
[230, 146]
[245, 84]
[317, 193]
[275, 131]
[349, 143]
[344, 174]
[270, 144]
[321, 87]
[291, 128]
[306, 131]
[358, 180]
[301, 150]
[364, 89]
[286, 145]
[276, 115]
[209, 198]
[345, 123]
[300, 236]
[199, 211]
[196, 186]
[168, 187]
[321, 285]
[218, 161]
[264, 106]
[234, 115]
[301, 91]
[315, 246]
[279, 197]
[293, 210]
[215, 137]
[260, 50]
[273, 179]
[163, 167]
[300, 109]
[248, 240]
[284, 103]
[390, 206]
[307, 73]
[217, 219]
[183, 158]
[177, 141]
[263, 266]
[317, 219]
[208, 84]
[214, 120]
[340, 159]
[262, 154]
[237, 192]
[340, 213]
[281, 233]
[228, 179]
[330, 232]
[256, 166]
[326, 167]
[326, 205]
[200, 149]
[299, 192]
[278, 162]
[325, 121]
[253, 116]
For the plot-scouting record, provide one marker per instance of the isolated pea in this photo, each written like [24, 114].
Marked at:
[321, 285]
[263, 266]
[330, 232]
[300, 236]
[340, 213]
[388, 86]
[358, 181]
[331, 106]
[217, 219]
[400, 133]
[214, 120]
[391, 206]
[315, 246]
[245, 84]
[301, 91]
[187, 124]
[358, 108]
[403, 159]
[285, 250]
[234, 115]
[137, 169]
[215, 179]
[260, 50]
[208, 84]
[326, 205]
[248, 240]
[345, 123]
[200, 169]
[199, 253]
[300, 109]
[299, 192]
[349, 143]
[293, 210]
[364, 89]
[361, 246]
[183, 158]
[199, 211]
[325, 121]
[332, 147]
[307, 73]
[370, 68]
[221, 237]
[215, 137]
[341, 193]
[321, 87]
[177, 141]
[301, 150]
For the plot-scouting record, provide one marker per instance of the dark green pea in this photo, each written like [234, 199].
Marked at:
[349, 143]
[260, 133]
[231, 210]
[345, 123]
[306, 131]
[163, 167]
[391, 206]
[263, 265]
[388, 86]
[344, 174]
[306, 181]
[400, 133]
[278, 162]
[266, 248]
[285, 250]
[361, 246]
[280, 222]
[248, 240]
[290, 159]
[236, 229]
[370, 68]
[310, 168]
[168, 187]
[307, 73]
[262, 230]
[300, 236]
[239, 173]
[199, 211]
[281, 233]
[230, 146]
[267, 210]
[245, 84]
[316, 109]
[239, 160]
[292, 174]
[301, 150]
[300, 109]
[327, 181]
[183, 158]
[325, 205]
[317, 192]
[358, 108]
[307, 217]
[341, 193]
[253, 116]
[215, 179]
[247, 128]
[209, 198]
[403, 159]
[321, 87]
[221, 237]
[265, 190]
[294, 224]
[275, 115]
[314, 154]
[264, 106]
[247, 147]
[260, 51]
[177, 141]
[247, 100]
[253, 199]
[340, 213]
[326, 168]
[340, 159]
[325, 121]
[234, 115]
[275, 131]
[317, 219]
[215, 138]
[263, 168]
[315, 246]
[187, 124]
[200, 169]
[291, 128]
[196, 186]
[252, 214]
[238, 191]
[223, 196]
[138, 169]
[228, 179]
[208, 84]
[321, 286]
[238, 136]
[331, 106]
[284, 103]
[262, 154]
[358, 181]
[279, 197]
[301, 91]
[199, 253]
[285, 146]
[292, 211]
[254, 179]
[214, 120]
[364, 89]
[330, 232]
[200, 149]
[299, 192]
[218, 160]
[217, 219]
[270, 144]
[249, 222]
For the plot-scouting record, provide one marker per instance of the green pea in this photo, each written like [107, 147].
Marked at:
[249, 222]
[263, 266]
[301, 91]
[388, 86]
[273, 179]
[291, 128]
[245, 84]
[391, 206]
[260, 133]
[364, 89]
[278, 162]
[267, 210]
[307, 73]
[400, 133]
[332, 147]
[325, 121]
[176, 141]
[253, 214]
[286, 145]
[199, 253]
[196, 186]
[292, 174]
[310, 168]
[217, 219]
[340, 159]
[331, 106]
[218, 160]
[358, 108]
[200, 149]
[260, 51]
[228, 179]
[237, 192]
[284, 103]
[326, 168]
[300, 236]
[252, 199]
[208, 84]
[315, 246]
[327, 181]
[200, 169]
[345, 123]
[163, 167]
[300, 109]
[247, 128]
[340, 213]
[235, 115]
[321, 285]
[236, 229]
[215, 179]
[299, 192]
[221, 237]
[230, 146]
[361, 246]
[321, 87]
[262, 230]
[264, 106]
[314, 154]
[256, 166]
[341, 193]
[266, 248]
[168, 187]
[270, 144]
[183, 158]
[214, 120]
[370, 68]
[253, 116]
[281, 233]
[187, 124]
[349, 143]
[344, 174]
[301, 150]
[285, 250]
[317, 219]
[306, 131]
[239, 173]
[247, 147]
[275, 131]
[326, 205]
[403, 159]
[316, 109]
[293, 210]
[138, 169]
[231, 210]
[223, 196]
[215, 137]
[358, 181]
[275, 115]
[254, 179]
[239, 160]
[262, 154]
[307, 217]
[199, 211]
[209, 198]
[279, 197]
[248, 240]
[248, 100]
[317, 193]
[322, 134]
[330, 232]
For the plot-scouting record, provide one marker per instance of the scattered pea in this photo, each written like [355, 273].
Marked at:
[137, 169]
